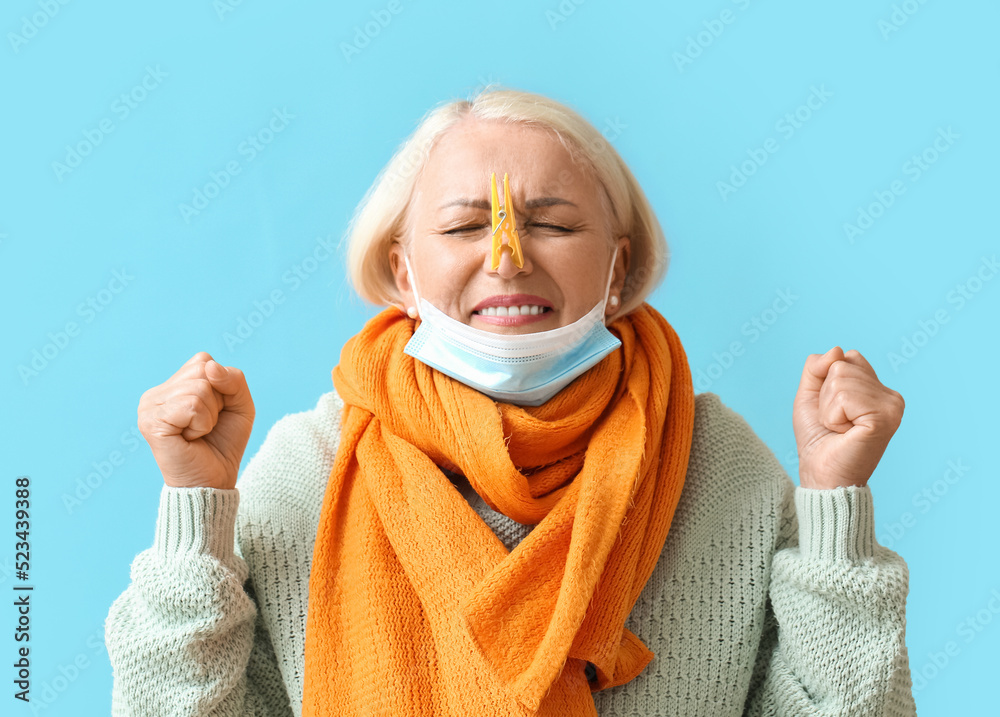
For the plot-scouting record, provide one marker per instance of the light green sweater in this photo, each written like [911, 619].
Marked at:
[768, 599]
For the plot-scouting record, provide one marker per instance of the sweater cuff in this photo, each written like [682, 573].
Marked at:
[836, 523]
[196, 520]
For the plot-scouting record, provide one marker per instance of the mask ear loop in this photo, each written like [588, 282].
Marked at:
[607, 289]
[411, 311]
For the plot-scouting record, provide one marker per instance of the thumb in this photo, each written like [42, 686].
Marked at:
[232, 385]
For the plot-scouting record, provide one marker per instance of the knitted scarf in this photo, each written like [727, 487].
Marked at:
[415, 606]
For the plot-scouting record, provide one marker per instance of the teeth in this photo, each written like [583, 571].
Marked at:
[525, 310]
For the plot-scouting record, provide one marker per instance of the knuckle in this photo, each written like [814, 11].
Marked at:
[189, 403]
[202, 388]
[196, 370]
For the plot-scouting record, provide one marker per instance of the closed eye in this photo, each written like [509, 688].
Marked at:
[460, 230]
[552, 226]
[477, 227]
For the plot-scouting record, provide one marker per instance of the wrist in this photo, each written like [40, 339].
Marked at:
[813, 481]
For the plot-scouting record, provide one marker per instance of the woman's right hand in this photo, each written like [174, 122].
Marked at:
[197, 423]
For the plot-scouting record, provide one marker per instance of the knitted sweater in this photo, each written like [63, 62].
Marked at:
[768, 598]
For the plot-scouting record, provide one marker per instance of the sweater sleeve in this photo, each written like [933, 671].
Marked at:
[834, 634]
[185, 637]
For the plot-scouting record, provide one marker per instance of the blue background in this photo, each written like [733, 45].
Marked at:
[687, 93]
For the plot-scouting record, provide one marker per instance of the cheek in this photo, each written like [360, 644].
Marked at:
[448, 272]
[576, 275]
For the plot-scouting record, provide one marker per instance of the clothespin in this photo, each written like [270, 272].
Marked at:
[504, 218]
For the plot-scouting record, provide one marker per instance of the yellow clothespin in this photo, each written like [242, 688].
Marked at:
[504, 218]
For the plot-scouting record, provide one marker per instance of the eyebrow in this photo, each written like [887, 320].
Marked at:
[530, 204]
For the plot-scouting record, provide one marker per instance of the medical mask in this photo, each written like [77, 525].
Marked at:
[523, 369]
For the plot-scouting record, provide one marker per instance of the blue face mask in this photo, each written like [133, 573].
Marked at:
[523, 369]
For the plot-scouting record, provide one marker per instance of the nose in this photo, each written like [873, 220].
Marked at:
[506, 268]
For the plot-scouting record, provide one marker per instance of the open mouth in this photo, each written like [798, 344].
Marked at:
[524, 310]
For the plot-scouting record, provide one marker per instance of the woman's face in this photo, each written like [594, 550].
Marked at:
[562, 223]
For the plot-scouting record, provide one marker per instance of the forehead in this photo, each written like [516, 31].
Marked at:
[463, 158]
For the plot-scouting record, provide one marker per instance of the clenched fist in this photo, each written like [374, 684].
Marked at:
[843, 418]
[197, 423]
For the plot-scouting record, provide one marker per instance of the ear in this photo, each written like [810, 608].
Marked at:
[401, 277]
[622, 262]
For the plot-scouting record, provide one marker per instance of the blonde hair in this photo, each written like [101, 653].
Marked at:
[379, 219]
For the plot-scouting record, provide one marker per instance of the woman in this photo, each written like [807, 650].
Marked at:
[505, 511]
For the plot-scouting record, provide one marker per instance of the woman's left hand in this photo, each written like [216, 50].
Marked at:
[843, 419]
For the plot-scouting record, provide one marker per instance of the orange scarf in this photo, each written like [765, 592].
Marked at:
[415, 606]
